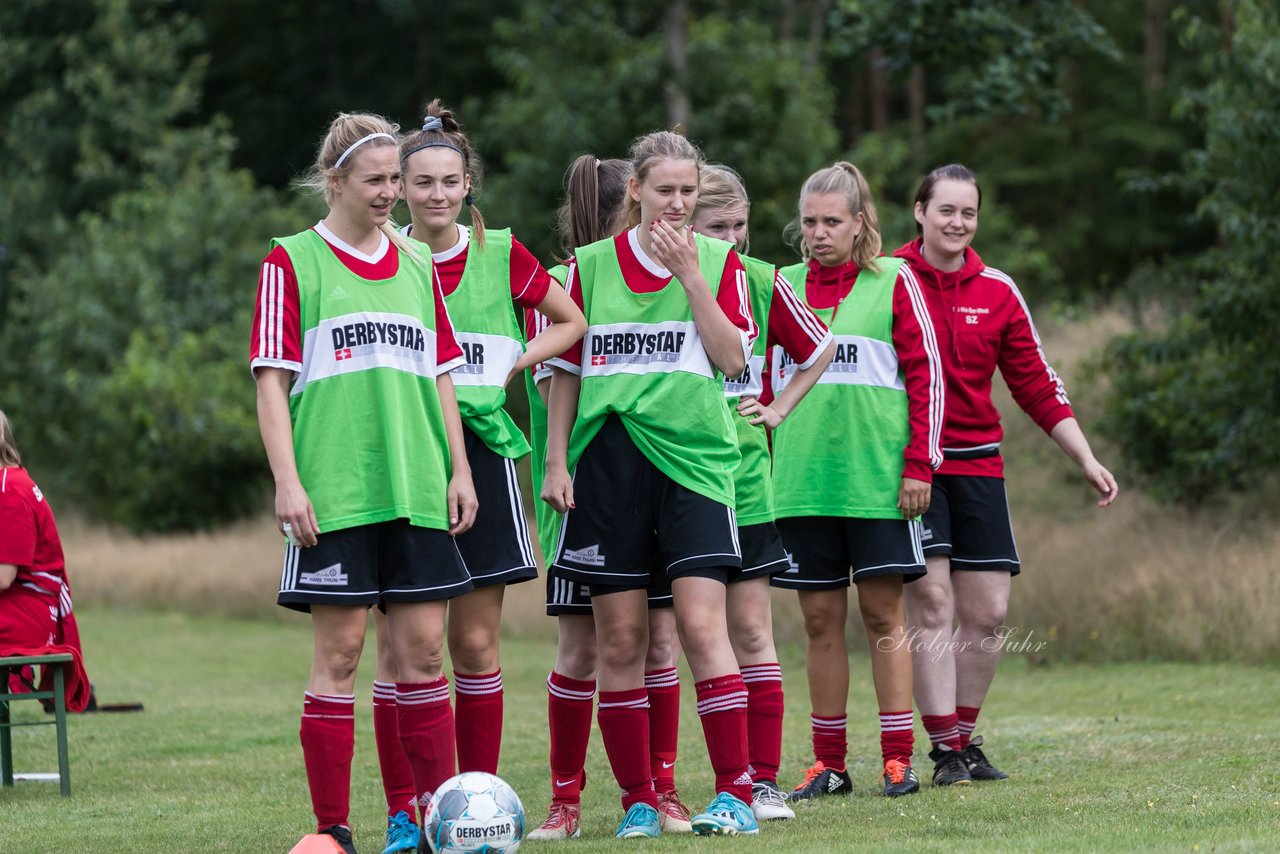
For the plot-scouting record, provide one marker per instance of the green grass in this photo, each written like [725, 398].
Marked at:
[1114, 757]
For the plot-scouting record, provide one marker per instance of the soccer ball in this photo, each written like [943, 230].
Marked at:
[473, 812]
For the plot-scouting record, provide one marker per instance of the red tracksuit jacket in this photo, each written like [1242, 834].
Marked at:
[982, 323]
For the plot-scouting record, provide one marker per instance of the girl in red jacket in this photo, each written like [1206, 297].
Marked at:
[982, 323]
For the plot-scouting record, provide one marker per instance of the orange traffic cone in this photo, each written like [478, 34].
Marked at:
[317, 843]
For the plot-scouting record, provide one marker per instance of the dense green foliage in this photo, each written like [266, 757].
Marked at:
[147, 145]
[1195, 400]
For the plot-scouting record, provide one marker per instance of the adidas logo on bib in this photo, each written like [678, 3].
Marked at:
[338, 293]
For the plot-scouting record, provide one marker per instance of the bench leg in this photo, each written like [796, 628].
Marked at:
[6, 746]
[60, 712]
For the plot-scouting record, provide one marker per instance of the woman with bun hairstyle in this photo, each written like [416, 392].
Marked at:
[591, 212]
[351, 350]
[852, 467]
[784, 321]
[637, 414]
[982, 323]
[488, 279]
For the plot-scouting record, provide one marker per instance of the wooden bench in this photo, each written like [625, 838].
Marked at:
[57, 696]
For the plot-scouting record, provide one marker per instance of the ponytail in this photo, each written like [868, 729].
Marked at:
[440, 129]
[845, 179]
[9, 455]
[593, 198]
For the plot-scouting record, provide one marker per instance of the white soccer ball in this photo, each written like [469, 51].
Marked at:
[473, 812]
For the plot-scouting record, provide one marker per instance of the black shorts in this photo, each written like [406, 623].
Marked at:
[569, 598]
[762, 552]
[633, 526]
[824, 549]
[968, 521]
[497, 549]
[370, 564]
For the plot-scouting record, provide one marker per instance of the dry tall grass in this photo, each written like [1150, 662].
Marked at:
[1134, 580]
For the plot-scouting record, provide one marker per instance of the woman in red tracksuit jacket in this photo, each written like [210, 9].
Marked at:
[982, 323]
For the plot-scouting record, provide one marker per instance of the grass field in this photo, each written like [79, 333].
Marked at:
[1103, 757]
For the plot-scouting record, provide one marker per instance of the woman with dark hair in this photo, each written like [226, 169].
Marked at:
[957, 610]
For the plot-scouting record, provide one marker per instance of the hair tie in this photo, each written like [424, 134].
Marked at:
[432, 123]
[468, 201]
[359, 142]
[598, 164]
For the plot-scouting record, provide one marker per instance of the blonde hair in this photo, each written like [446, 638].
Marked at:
[9, 455]
[844, 179]
[654, 148]
[346, 130]
[449, 135]
[719, 189]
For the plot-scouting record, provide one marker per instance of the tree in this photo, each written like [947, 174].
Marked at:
[1195, 402]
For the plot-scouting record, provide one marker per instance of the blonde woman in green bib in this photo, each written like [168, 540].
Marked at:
[351, 350]
[852, 469]
[784, 321]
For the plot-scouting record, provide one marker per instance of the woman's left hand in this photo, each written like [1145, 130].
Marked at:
[913, 497]
[1102, 481]
[674, 249]
[462, 503]
[758, 413]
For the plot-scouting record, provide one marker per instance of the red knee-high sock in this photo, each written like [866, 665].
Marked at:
[624, 725]
[764, 719]
[426, 733]
[663, 687]
[830, 744]
[478, 720]
[967, 719]
[896, 736]
[943, 729]
[569, 703]
[397, 779]
[722, 707]
[328, 735]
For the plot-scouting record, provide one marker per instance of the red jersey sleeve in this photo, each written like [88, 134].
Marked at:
[1034, 384]
[17, 523]
[449, 353]
[918, 357]
[277, 325]
[529, 280]
[793, 326]
[733, 299]
[571, 360]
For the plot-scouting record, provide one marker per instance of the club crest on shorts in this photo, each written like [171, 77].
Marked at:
[330, 576]
[589, 556]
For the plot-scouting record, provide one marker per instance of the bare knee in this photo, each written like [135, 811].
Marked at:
[474, 649]
[930, 606]
[825, 618]
[750, 636]
[663, 646]
[984, 617]
[338, 658]
[622, 646]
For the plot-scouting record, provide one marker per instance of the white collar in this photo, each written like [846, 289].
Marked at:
[633, 237]
[335, 240]
[464, 237]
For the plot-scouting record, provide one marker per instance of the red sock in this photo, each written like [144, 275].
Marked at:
[764, 719]
[829, 742]
[328, 735]
[663, 687]
[968, 719]
[942, 729]
[722, 706]
[896, 736]
[624, 725]
[569, 704]
[426, 733]
[478, 720]
[397, 779]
